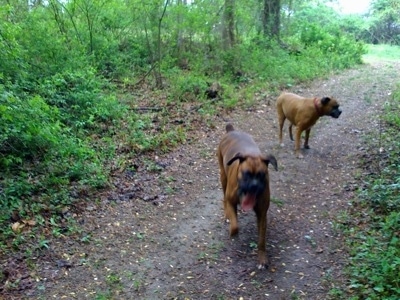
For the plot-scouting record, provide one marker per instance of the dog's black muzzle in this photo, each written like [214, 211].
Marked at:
[252, 183]
[335, 113]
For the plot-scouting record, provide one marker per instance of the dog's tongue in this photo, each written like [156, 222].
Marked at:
[248, 202]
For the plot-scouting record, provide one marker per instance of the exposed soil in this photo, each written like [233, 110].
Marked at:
[168, 239]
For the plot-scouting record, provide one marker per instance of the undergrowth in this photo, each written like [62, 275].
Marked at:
[374, 241]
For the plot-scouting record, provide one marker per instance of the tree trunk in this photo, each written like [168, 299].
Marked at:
[271, 18]
[181, 43]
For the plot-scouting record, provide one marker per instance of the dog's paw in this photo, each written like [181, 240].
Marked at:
[262, 261]
[233, 232]
[261, 267]
[306, 147]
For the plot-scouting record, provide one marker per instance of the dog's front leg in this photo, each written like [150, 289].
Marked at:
[262, 230]
[223, 179]
[231, 215]
[297, 142]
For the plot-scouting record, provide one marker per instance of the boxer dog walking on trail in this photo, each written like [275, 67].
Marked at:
[303, 113]
[245, 182]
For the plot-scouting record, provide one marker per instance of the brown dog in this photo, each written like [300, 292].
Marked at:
[245, 181]
[303, 113]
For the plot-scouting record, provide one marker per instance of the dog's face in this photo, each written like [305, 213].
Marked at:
[330, 107]
[252, 177]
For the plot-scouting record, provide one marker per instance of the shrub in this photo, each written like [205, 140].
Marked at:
[80, 98]
[342, 48]
[28, 128]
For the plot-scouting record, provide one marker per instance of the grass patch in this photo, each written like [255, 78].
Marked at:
[382, 52]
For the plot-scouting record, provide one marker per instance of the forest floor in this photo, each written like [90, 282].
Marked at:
[161, 234]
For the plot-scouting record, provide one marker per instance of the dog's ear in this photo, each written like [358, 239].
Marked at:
[229, 127]
[236, 157]
[270, 159]
[325, 100]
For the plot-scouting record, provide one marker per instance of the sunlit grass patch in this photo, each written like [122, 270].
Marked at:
[382, 52]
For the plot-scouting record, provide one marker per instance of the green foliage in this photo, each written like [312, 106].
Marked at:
[79, 97]
[343, 49]
[374, 269]
[187, 87]
[381, 25]
[392, 108]
[28, 128]
[375, 262]
[384, 22]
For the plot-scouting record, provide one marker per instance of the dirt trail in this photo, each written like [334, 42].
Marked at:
[177, 246]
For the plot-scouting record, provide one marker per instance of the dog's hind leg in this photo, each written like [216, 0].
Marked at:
[281, 122]
[290, 132]
[306, 146]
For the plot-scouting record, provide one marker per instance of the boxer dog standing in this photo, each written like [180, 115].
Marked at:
[245, 181]
[303, 113]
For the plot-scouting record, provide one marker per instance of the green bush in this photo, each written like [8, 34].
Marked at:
[187, 87]
[125, 58]
[343, 50]
[28, 128]
[79, 96]
[278, 67]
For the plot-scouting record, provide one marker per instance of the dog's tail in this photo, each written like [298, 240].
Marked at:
[229, 127]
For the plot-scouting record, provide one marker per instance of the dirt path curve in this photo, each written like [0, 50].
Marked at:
[177, 246]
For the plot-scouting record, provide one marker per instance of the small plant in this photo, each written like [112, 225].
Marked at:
[103, 295]
[136, 284]
[113, 279]
[278, 202]
[43, 243]
[253, 245]
[86, 238]
[140, 235]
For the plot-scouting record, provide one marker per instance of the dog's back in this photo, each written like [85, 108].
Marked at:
[292, 101]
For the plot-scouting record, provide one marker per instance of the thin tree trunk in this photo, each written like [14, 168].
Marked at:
[228, 30]
[157, 72]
